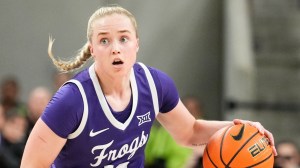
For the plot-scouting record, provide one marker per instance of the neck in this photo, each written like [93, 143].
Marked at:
[116, 90]
[113, 84]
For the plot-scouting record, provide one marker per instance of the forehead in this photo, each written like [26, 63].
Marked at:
[286, 149]
[114, 22]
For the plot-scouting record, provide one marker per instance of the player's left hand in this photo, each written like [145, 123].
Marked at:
[261, 129]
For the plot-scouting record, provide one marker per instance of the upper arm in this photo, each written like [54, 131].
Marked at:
[168, 96]
[178, 122]
[42, 147]
[173, 114]
[52, 129]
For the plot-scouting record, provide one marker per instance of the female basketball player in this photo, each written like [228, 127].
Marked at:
[103, 116]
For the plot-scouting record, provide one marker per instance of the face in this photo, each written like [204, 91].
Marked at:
[14, 129]
[10, 91]
[114, 44]
[288, 156]
[37, 102]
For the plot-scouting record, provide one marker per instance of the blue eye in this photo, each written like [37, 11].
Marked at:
[104, 41]
[124, 39]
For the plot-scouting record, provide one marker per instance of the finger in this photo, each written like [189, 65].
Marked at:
[260, 128]
[237, 121]
[254, 124]
[274, 151]
[269, 135]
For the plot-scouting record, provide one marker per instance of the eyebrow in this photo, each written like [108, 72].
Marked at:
[124, 31]
[102, 33]
[120, 31]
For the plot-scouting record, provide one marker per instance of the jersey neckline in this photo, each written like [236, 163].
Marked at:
[104, 104]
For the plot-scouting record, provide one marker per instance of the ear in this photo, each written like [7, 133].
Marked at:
[137, 44]
[91, 49]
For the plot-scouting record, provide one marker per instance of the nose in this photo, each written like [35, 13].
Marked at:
[115, 48]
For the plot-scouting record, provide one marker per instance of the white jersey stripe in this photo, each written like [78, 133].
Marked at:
[104, 104]
[152, 88]
[85, 110]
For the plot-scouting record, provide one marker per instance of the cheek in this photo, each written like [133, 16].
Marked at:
[100, 52]
[134, 48]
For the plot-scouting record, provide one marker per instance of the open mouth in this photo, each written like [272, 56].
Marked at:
[117, 62]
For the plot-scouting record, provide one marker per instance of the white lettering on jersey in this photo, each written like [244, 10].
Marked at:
[122, 165]
[144, 118]
[114, 154]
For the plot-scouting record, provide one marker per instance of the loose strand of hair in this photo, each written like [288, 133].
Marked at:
[67, 66]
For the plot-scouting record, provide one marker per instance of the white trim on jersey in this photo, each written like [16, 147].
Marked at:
[85, 110]
[152, 88]
[104, 104]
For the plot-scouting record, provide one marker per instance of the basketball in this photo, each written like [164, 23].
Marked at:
[238, 146]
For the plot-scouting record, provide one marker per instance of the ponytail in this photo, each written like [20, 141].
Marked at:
[66, 66]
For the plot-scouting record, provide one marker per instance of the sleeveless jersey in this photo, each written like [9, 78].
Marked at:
[100, 139]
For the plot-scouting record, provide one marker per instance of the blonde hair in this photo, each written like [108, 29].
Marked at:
[84, 53]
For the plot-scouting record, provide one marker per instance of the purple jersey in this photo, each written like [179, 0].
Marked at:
[96, 136]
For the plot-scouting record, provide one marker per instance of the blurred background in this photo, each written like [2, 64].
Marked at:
[241, 58]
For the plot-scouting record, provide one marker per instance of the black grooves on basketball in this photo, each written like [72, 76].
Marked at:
[209, 157]
[260, 161]
[241, 149]
[222, 146]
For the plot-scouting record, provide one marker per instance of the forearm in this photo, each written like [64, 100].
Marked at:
[186, 130]
[203, 130]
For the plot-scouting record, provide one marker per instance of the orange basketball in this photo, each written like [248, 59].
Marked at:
[238, 146]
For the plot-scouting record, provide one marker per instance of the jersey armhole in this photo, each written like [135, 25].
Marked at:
[82, 124]
[152, 88]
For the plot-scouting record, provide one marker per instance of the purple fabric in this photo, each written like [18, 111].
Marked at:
[115, 147]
